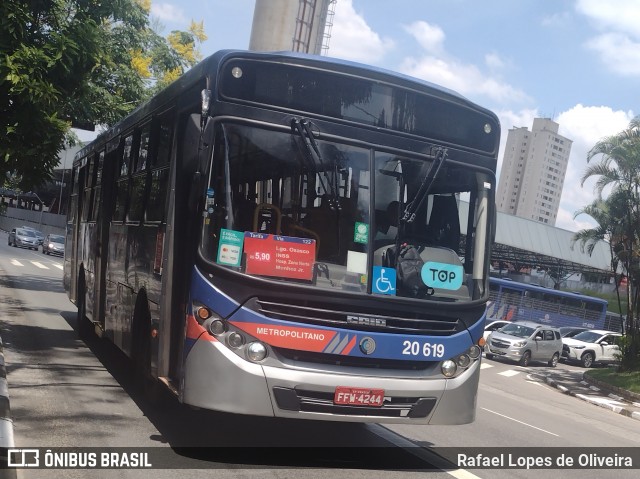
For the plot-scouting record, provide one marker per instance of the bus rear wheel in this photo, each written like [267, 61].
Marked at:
[141, 354]
[83, 325]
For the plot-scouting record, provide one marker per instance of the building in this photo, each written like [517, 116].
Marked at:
[533, 171]
[294, 25]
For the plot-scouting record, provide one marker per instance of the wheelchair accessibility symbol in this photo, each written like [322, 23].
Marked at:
[384, 280]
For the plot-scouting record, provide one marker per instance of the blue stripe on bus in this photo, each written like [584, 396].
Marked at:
[203, 291]
[387, 346]
[384, 346]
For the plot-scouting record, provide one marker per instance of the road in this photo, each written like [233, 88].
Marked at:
[68, 393]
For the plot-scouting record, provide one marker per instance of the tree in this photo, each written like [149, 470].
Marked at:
[67, 62]
[618, 217]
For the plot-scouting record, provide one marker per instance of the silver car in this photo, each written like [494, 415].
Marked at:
[525, 341]
[53, 244]
[23, 238]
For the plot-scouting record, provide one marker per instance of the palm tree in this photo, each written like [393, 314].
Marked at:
[607, 214]
[618, 216]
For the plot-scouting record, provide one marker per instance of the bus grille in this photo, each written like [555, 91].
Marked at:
[326, 315]
[354, 361]
[321, 402]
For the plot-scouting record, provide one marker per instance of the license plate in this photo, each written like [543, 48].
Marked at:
[358, 396]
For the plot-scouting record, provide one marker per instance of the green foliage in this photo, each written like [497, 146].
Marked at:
[71, 61]
[618, 218]
[629, 356]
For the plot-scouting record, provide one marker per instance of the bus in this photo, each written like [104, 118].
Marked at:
[276, 234]
[511, 301]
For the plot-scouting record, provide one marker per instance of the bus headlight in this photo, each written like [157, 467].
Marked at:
[217, 327]
[474, 352]
[463, 360]
[235, 340]
[256, 351]
[448, 368]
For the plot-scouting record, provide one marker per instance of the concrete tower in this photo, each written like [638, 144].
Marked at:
[294, 25]
[533, 170]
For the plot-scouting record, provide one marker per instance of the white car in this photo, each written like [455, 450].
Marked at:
[492, 326]
[589, 347]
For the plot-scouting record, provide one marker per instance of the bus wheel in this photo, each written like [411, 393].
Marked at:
[525, 359]
[587, 359]
[83, 326]
[142, 354]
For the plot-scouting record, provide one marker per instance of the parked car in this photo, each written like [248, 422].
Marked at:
[39, 234]
[571, 331]
[591, 347]
[53, 244]
[525, 341]
[492, 326]
[23, 238]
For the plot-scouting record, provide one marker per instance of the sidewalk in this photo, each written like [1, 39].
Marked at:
[578, 384]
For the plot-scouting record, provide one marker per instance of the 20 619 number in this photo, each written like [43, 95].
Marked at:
[428, 350]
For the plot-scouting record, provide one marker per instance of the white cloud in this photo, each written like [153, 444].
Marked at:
[466, 79]
[353, 39]
[585, 125]
[621, 15]
[557, 20]
[168, 13]
[494, 61]
[619, 43]
[619, 52]
[438, 66]
[430, 37]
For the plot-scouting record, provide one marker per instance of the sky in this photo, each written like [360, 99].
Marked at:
[574, 61]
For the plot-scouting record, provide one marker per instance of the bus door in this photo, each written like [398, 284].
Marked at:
[73, 229]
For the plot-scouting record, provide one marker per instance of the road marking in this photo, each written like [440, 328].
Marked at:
[533, 381]
[39, 265]
[523, 423]
[59, 266]
[508, 373]
[485, 366]
[420, 452]
[15, 262]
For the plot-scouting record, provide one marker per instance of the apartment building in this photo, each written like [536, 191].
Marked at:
[533, 171]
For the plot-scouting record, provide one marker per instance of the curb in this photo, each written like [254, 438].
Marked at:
[6, 424]
[590, 399]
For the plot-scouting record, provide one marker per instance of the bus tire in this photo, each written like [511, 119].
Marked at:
[525, 359]
[141, 350]
[587, 359]
[83, 326]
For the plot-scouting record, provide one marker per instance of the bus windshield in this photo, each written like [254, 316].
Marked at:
[289, 207]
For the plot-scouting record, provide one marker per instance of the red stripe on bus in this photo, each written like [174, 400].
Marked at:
[349, 346]
[196, 331]
[303, 339]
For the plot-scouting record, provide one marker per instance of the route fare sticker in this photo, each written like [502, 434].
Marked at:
[230, 247]
[279, 256]
[361, 233]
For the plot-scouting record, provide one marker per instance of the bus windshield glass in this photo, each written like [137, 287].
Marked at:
[291, 206]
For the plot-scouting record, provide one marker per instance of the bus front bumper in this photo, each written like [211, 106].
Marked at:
[217, 379]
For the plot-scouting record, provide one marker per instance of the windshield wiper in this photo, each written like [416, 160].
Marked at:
[414, 205]
[312, 153]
